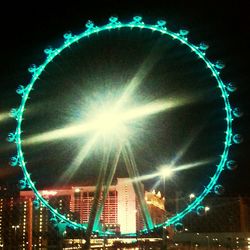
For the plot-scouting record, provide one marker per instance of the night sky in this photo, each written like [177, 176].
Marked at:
[27, 29]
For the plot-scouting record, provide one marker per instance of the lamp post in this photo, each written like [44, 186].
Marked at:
[15, 227]
[208, 242]
[165, 172]
[164, 239]
[192, 196]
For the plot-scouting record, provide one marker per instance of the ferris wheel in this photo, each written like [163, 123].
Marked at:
[108, 128]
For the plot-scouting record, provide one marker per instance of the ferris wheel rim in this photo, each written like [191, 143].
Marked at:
[115, 24]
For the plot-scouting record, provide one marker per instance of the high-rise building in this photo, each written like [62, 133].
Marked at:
[10, 226]
[120, 210]
[25, 226]
[156, 206]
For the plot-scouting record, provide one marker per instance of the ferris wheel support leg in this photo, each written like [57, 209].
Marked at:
[134, 174]
[96, 201]
[107, 184]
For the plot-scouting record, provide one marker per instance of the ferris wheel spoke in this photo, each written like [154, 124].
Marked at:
[107, 184]
[134, 174]
[98, 192]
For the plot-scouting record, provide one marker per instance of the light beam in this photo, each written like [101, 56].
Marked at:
[169, 170]
[67, 175]
[4, 116]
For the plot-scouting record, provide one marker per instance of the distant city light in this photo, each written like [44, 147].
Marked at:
[207, 209]
[192, 196]
[48, 192]
[17, 226]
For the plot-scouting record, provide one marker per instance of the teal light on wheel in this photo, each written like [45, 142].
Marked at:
[115, 24]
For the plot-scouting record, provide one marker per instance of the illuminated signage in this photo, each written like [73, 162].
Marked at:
[49, 193]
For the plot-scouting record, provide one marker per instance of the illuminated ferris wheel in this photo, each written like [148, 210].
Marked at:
[108, 127]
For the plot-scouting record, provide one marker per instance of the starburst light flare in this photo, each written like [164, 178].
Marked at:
[108, 120]
[168, 170]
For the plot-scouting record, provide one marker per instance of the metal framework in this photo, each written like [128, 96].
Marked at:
[113, 24]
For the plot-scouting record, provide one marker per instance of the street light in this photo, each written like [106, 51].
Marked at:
[165, 172]
[15, 227]
[192, 196]
[208, 241]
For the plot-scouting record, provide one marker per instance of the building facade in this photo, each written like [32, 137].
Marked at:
[25, 226]
[10, 228]
[120, 214]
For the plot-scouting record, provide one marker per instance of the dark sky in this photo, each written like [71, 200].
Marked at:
[27, 29]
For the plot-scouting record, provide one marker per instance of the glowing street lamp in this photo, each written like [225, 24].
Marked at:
[166, 172]
[15, 227]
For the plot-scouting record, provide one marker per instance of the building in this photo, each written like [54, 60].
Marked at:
[226, 225]
[226, 214]
[121, 212]
[10, 229]
[25, 225]
[156, 206]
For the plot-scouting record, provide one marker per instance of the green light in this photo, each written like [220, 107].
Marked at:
[115, 24]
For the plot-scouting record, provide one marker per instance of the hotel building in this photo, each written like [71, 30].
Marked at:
[120, 214]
